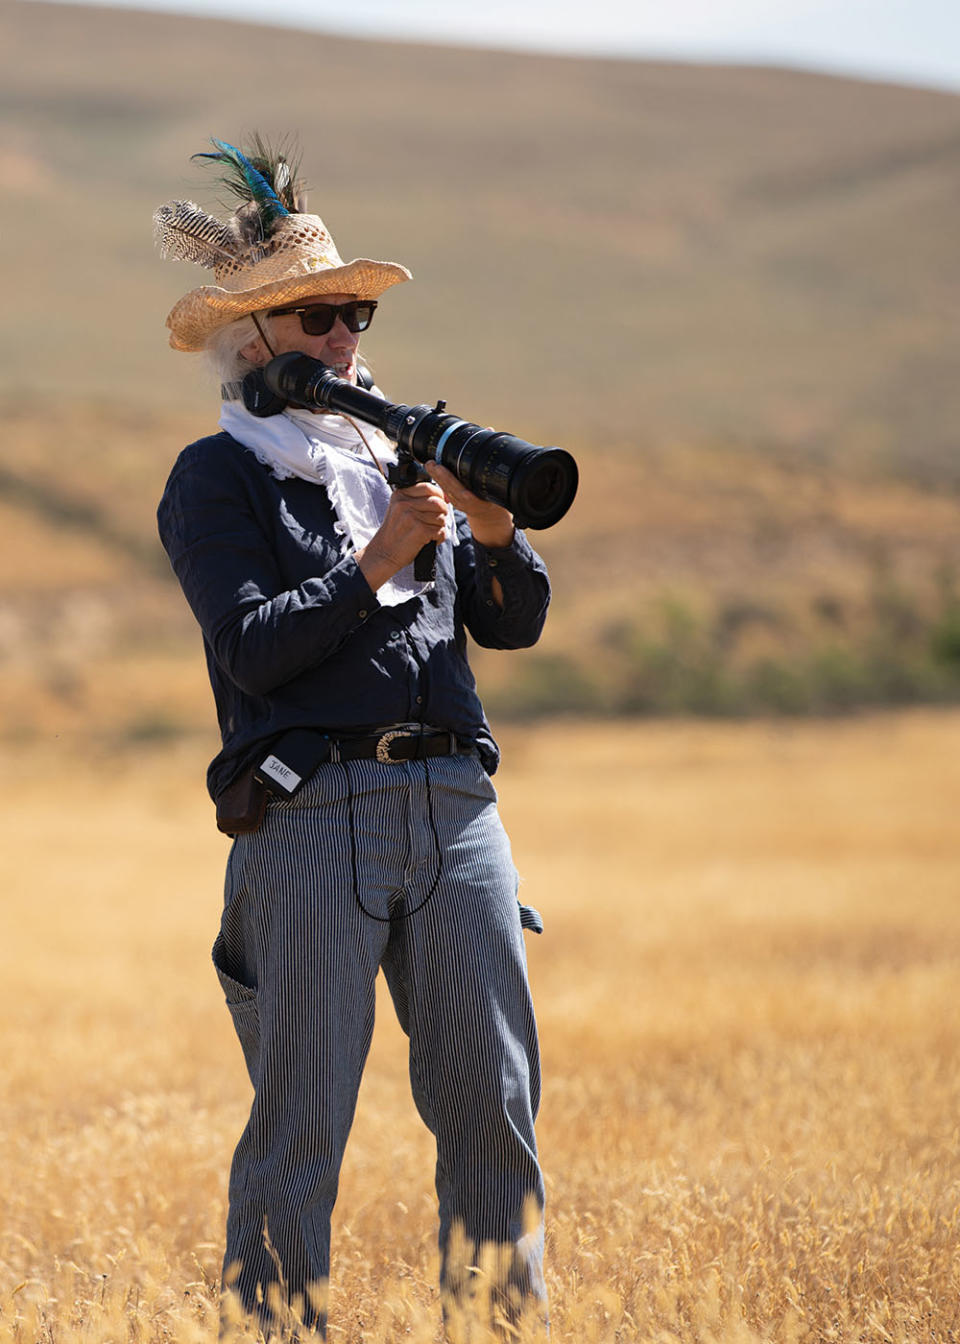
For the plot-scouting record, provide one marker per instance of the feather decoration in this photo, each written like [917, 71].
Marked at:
[262, 208]
[183, 231]
[281, 168]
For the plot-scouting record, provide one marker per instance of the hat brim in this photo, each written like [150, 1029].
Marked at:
[194, 319]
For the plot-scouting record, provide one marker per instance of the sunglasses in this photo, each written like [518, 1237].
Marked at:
[318, 318]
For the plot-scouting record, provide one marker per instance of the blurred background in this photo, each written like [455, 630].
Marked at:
[712, 255]
[712, 252]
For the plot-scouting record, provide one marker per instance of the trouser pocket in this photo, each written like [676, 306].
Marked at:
[242, 1002]
[530, 918]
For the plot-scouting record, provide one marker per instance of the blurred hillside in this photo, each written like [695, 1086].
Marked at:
[604, 251]
[686, 580]
[729, 292]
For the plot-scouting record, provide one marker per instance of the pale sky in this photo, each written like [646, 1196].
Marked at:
[910, 41]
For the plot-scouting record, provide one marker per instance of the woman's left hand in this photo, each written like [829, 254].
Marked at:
[490, 524]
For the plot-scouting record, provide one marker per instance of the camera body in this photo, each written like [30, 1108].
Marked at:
[537, 485]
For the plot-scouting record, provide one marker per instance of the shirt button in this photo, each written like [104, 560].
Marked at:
[489, 601]
[491, 562]
[361, 614]
[419, 699]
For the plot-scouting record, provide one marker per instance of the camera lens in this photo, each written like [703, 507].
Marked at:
[542, 487]
[537, 485]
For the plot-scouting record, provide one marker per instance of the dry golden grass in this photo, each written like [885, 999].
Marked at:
[747, 992]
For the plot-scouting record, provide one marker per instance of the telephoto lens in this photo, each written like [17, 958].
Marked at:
[537, 485]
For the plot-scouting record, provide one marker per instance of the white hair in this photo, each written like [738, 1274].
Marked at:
[224, 345]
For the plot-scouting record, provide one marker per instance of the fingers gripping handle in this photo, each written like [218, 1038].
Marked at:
[407, 471]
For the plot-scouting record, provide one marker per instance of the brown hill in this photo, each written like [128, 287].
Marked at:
[605, 251]
[726, 290]
[690, 579]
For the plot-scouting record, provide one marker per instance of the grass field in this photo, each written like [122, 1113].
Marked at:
[747, 993]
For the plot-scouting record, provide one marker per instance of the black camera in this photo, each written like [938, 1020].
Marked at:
[537, 485]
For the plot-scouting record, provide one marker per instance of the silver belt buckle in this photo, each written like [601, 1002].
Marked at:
[383, 746]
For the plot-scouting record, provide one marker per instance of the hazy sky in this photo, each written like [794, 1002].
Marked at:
[916, 41]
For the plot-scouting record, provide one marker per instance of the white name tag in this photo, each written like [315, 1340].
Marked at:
[287, 779]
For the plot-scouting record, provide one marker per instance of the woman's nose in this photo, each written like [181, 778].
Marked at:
[342, 338]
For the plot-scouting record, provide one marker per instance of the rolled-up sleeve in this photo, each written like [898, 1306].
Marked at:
[262, 633]
[523, 580]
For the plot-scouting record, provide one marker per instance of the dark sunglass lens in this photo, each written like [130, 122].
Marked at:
[318, 319]
[358, 316]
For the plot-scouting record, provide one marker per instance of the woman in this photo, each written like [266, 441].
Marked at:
[387, 852]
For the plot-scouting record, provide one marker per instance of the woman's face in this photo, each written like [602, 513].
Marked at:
[336, 347]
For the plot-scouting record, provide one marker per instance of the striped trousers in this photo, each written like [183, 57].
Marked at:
[406, 867]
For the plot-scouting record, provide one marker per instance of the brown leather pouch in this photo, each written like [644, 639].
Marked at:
[241, 806]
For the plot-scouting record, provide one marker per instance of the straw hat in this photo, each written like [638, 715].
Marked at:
[267, 255]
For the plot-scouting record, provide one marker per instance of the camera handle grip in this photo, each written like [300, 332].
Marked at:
[407, 471]
[425, 564]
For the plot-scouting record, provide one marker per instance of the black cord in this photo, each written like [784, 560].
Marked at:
[263, 336]
[389, 919]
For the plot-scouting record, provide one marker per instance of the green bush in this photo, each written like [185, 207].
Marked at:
[945, 638]
[683, 658]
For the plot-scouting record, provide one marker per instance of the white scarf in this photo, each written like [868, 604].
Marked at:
[327, 450]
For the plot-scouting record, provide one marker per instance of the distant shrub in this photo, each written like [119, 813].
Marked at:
[549, 683]
[945, 638]
[154, 726]
[778, 687]
[748, 657]
[841, 678]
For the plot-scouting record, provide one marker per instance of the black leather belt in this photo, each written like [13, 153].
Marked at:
[294, 757]
[402, 742]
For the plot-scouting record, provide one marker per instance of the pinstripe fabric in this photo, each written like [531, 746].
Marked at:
[298, 959]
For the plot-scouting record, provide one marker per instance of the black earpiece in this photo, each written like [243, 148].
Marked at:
[258, 398]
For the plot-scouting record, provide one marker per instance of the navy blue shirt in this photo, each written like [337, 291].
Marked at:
[293, 633]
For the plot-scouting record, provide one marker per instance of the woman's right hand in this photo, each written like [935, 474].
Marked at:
[415, 515]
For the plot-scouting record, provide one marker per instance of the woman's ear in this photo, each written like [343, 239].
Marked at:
[255, 353]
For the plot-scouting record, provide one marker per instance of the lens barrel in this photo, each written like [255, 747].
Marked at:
[537, 485]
